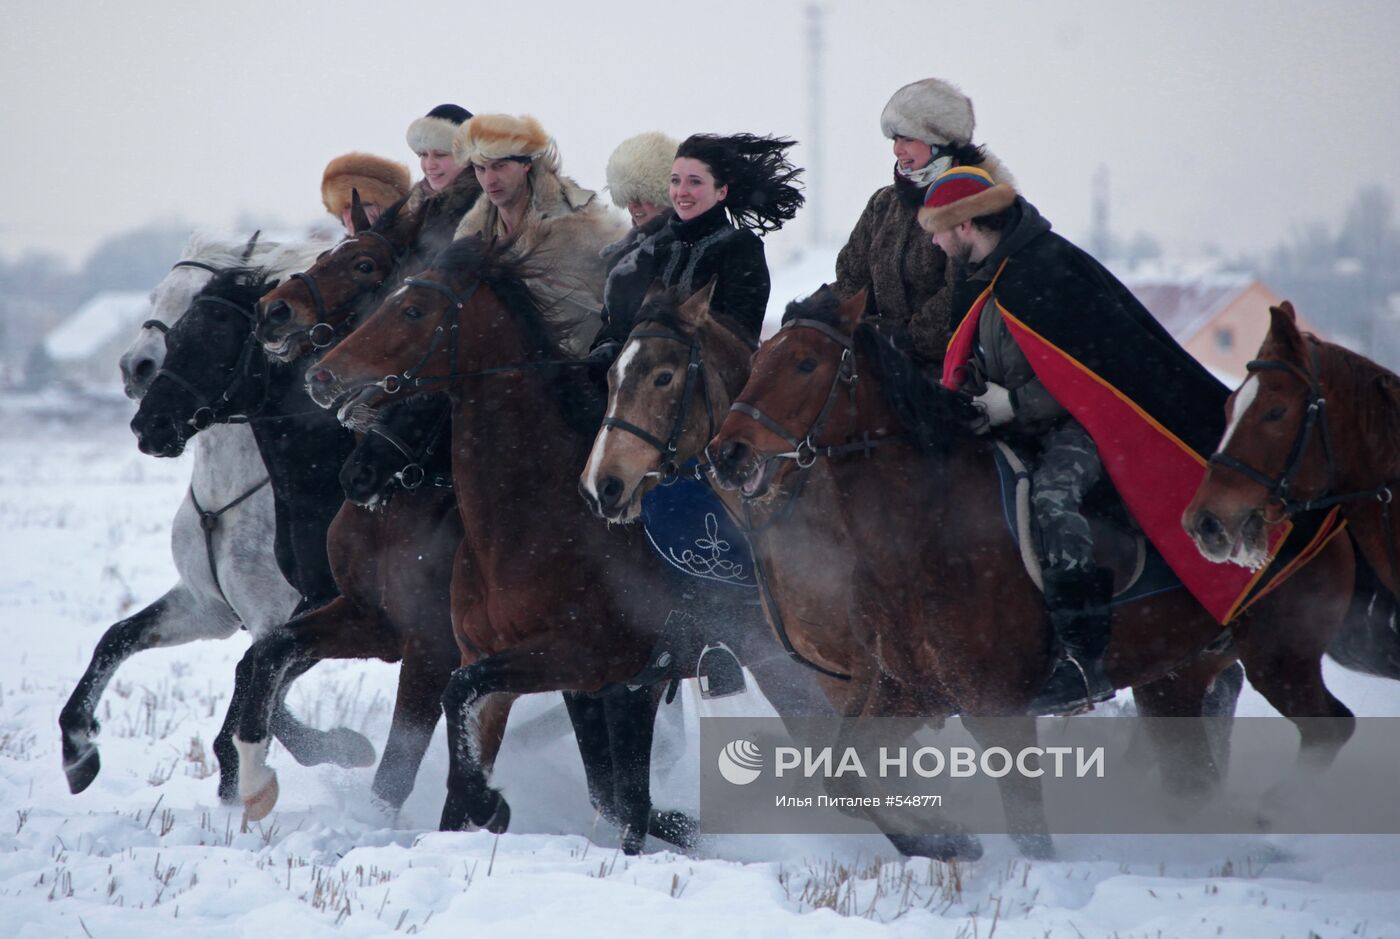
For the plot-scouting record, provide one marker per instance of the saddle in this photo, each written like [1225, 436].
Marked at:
[1138, 569]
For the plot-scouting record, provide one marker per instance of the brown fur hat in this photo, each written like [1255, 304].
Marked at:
[640, 170]
[931, 110]
[380, 181]
[488, 137]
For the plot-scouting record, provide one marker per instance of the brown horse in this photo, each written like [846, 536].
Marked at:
[550, 600]
[313, 309]
[941, 600]
[1313, 426]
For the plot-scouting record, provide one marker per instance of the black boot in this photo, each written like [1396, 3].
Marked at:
[1079, 615]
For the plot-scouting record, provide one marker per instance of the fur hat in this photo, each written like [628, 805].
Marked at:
[488, 137]
[960, 194]
[931, 110]
[639, 170]
[380, 181]
[434, 130]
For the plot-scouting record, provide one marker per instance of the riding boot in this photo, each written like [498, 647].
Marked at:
[1079, 615]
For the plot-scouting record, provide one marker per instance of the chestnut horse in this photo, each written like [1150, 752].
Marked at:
[941, 601]
[1313, 426]
[543, 597]
[314, 308]
[392, 548]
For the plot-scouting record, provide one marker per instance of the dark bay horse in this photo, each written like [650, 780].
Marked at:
[543, 597]
[1314, 426]
[312, 309]
[392, 548]
[941, 600]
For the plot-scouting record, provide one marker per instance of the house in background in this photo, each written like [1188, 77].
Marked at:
[1221, 318]
[83, 351]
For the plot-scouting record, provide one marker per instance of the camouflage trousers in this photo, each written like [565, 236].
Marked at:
[1065, 466]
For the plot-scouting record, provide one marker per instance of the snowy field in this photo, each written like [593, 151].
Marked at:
[148, 851]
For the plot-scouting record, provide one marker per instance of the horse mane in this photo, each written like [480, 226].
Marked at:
[1375, 395]
[277, 258]
[581, 399]
[243, 285]
[663, 309]
[932, 415]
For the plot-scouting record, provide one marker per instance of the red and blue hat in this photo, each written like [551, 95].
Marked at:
[962, 193]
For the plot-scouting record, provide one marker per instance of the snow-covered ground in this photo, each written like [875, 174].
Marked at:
[148, 851]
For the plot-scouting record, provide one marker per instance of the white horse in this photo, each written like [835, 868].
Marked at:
[221, 539]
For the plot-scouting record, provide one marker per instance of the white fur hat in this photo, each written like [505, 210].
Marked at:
[639, 170]
[434, 130]
[931, 110]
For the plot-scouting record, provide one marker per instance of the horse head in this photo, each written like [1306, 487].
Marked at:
[795, 398]
[212, 369]
[402, 447]
[1272, 452]
[678, 371]
[311, 308]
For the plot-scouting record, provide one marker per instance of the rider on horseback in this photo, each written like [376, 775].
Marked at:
[980, 225]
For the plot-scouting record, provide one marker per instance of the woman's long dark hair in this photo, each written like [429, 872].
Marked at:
[762, 194]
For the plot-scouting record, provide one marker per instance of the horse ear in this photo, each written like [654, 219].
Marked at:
[359, 221]
[252, 243]
[853, 309]
[1284, 337]
[696, 309]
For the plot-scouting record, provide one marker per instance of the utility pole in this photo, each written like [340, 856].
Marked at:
[816, 170]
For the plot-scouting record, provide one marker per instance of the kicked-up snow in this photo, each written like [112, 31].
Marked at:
[148, 851]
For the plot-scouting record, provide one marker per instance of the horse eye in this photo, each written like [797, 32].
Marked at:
[663, 379]
[1275, 414]
[807, 366]
[412, 312]
[365, 267]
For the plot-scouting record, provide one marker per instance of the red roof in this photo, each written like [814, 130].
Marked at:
[1185, 306]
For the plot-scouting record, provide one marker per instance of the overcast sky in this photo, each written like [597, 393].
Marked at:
[1219, 122]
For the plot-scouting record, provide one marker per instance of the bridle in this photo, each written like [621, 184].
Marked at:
[157, 325]
[1278, 488]
[669, 470]
[805, 449]
[323, 333]
[413, 473]
[206, 409]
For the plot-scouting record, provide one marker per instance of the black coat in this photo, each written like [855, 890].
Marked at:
[685, 255]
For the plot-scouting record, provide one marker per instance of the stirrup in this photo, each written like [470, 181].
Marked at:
[719, 672]
[1044, 704]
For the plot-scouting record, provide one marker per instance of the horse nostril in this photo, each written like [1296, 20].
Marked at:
[731, 452]
[279, 312]
[144, 369]
[1208, 526]
[322, 376]
[610, 491]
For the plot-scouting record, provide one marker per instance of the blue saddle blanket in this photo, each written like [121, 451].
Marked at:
[1157, 576]
[688, 526]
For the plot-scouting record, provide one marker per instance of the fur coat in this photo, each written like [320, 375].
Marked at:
[443, 210]
[564, 232]
[909, 279]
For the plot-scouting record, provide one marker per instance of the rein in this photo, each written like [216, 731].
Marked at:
[413, 473]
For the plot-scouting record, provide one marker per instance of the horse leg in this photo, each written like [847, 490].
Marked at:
[1022, 798]
[588, 714]
[537, 665]
[1191, 754]
[476, 725]
[336, 630]
[417, 707]
[175, 618]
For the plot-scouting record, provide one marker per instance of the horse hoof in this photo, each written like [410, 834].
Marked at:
[1037, 846]
[674, 828]
[961, 847]
[633, 840]
[82, 770]
[350, 749]
[260, 804]
[500, 819]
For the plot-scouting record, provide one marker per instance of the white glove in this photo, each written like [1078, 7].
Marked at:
[995, 402]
